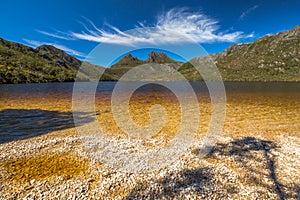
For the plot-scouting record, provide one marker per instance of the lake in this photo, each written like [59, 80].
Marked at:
[29, 110]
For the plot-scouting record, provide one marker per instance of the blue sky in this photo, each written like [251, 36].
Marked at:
[78, 26]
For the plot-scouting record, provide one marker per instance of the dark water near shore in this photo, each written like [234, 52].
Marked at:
[40, 89]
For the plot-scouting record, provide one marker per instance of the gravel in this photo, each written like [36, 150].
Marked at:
[240, 168]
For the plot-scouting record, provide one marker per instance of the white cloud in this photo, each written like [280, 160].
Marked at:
[35, 43]
[61, 36]
[249, 10]
[175, 26]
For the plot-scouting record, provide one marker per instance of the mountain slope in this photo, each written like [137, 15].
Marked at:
[60, 57]
[23, 64]
[270, 58]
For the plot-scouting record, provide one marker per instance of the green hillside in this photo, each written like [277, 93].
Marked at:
[46, 63]
[271, 58]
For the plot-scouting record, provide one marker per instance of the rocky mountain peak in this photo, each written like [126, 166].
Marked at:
[159, 57]
[129, 58]
[127, 61]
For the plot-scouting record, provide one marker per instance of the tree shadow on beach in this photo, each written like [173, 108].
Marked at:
[199, 181]
[16, 124]
[202, 182]
[246, 150]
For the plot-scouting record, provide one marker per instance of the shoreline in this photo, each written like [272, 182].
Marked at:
[112, 81]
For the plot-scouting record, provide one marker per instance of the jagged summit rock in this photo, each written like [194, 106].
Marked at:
[128, 58]
[127, 61]
[153, 57]
[159, 57]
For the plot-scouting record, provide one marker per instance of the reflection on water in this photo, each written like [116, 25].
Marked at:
[23, 123]
[28, 110]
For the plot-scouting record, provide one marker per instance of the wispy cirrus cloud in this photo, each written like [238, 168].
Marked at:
[35, 43]
[58, 35]
[248, 11]
[175, 26]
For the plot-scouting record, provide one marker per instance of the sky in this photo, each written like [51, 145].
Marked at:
[77, 27]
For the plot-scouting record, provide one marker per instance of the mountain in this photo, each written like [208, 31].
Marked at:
[117, 70]
[153, 57]
[128, 61]
[160, 57]
[274, 57]
[22, 64]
